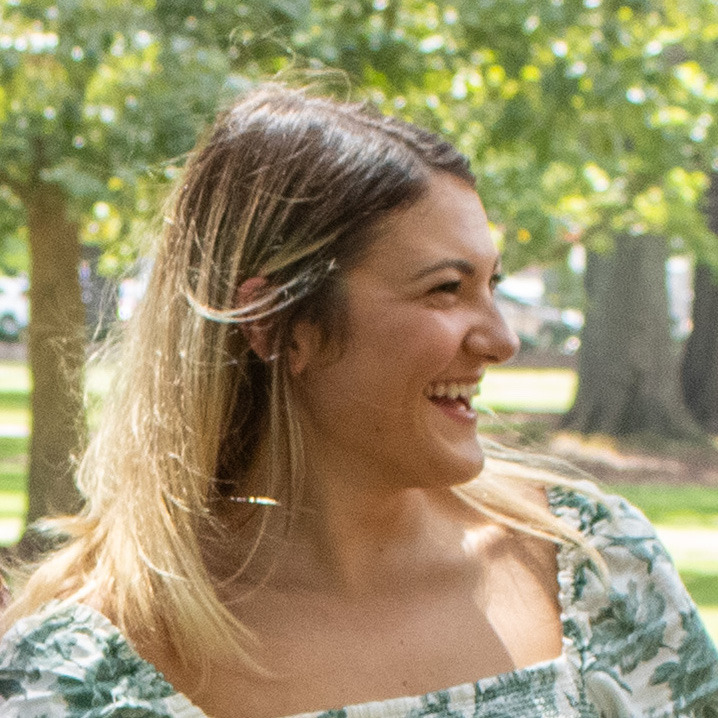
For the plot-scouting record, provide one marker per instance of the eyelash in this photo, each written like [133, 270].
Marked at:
[448, 287]
[496, 279]
[454, 286]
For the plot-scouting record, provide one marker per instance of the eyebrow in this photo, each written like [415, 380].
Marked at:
[461, 265]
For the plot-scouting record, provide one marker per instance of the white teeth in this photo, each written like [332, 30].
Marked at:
[452, 390]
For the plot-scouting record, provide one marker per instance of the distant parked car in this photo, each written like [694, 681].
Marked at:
[13, 307]
[540, 326]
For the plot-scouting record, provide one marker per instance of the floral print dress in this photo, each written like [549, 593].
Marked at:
[633, 649]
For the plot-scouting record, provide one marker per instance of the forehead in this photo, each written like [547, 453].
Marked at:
[448, 222]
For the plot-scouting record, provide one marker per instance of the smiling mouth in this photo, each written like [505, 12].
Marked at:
[453, 396]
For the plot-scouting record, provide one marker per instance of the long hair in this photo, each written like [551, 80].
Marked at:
[286, 187]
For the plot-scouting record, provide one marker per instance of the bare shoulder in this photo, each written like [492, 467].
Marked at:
[536, 493]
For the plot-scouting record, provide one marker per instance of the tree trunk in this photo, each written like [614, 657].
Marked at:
[628, 373]
[56, 350]
[699, 371]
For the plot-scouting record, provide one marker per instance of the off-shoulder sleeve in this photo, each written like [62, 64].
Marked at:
[642, 648]
[70, 662]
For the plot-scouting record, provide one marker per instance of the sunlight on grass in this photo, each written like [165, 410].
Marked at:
[673, 505]
[13, 466]
[10, 530]
[703, 587]
[528, 390]
[695, 550]
[14, 377]
[15, 395]
[12, 503]
[710, 618]
[15, 417]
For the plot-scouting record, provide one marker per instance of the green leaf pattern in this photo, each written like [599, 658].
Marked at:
[634, 648]
[71, 662]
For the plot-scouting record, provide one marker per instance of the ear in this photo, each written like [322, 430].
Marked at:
[258, 333]
[305, 346]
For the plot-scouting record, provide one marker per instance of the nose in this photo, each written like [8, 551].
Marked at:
[492, 339]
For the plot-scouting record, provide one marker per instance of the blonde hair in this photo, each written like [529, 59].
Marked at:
[287, 187]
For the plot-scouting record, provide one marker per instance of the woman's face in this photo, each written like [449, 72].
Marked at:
[422, 328]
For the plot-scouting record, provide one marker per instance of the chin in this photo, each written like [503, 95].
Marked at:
[453, 473]
[471, 474]
[468, 464]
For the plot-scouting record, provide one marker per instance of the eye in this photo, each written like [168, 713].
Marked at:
[495, 280]
[447, 287]
[446, 294]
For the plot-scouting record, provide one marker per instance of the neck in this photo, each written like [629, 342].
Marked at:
[359, 535]
[359, 532]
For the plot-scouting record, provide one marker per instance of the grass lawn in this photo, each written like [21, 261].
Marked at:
[686, 516]
[545, 391]
[677, 506]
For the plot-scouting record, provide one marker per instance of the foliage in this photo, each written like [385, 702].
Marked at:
[582, 119]
[13, 234]
[84, 105]
[103, 99]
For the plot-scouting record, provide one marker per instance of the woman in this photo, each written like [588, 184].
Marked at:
[283, 511]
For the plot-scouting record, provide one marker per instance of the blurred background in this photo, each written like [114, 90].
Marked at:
[590, 125]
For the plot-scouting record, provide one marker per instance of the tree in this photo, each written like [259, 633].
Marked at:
[628, 355]
[94, 96]
[699, 369]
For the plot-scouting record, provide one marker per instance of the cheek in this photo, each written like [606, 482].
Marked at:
[397, 360]
[430, 343]
[395, 328]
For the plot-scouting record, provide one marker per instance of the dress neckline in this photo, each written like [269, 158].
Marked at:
[548, 671]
